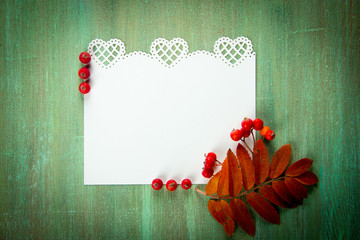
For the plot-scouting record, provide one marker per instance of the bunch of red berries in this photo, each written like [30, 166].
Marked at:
[171, 185]
[84, 72]
[209, 164]
[248, 125]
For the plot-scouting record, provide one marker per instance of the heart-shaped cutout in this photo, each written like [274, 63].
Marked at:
[169, 52]
[106, 53]
[232, 51]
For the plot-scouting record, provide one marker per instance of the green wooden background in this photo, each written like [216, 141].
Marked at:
[308, 90]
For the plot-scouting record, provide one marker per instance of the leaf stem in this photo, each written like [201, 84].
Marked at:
[241, 194]
[247, 146]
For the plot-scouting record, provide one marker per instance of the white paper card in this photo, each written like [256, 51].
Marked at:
[154, 115]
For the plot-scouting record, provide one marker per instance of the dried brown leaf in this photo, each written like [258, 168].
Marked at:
[299, 167]
[261, 162]
[268, 192]
[296, 188]
[230, 181]
[242, 216]
[308, 178]
[263, 207]
[247, 167]
[216, 211]
[212, 185]
[283, 192]
[279, 161]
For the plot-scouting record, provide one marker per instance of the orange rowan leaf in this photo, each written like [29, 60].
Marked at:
[296, 188]
[247, 167]
[230, 181]
[226, 208]
[261, 162]
[307, 178]
[279, 161]
[283, 192]
[216, 211]
[242, 216]
[268, 192]
[212, 185]
[263, 207]
[299, 167]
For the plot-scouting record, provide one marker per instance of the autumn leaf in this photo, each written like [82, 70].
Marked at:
[230, 181]
[229, 225]
[247, 167]
[307, 178]
[268, 192]
[299, 167]
[296, 188]
[212, 185]
[216, 211]
[283, 192]
[263, 207]
[242, 216]
[261, 162]
[279, 161]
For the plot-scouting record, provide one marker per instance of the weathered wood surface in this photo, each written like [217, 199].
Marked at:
[308, 90]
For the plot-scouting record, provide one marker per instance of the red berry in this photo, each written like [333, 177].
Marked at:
[186, 184]
[237, 134]
[247, 124]
[85, 57]
[246, 133]
[84, 73]
[207, 173]
[270, 135]
[258, 124]
[264, 130]
[171, 185]
[211, 154]
[209, 162]
[84, 88]
[157, 184]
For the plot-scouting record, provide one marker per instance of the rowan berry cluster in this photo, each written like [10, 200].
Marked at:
[210, 160]
[84, 72]
[248, 125]
[171, 185]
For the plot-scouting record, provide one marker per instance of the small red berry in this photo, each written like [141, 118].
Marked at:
[270, 135]
[258, 124]
[264, 130]
[246, 133]
[247, 124]
[211, 154]
[84, 88]
[209, 162]
[85, 57]
[157, 184]
[171, 185]
[237, 134]
[207, 173]
[186, 184]
[84, 73]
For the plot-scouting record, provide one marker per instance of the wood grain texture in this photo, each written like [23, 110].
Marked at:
[308, 90]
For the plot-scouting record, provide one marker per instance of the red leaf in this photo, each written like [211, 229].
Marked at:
[212, 185]
[216, 211]
[225, 206]
[296, 188]
[299, 167]
[230, 182]
[247, 167]
[279, 161]
[263, 207]
[229, 226]
[242, 216]
[308, 178]
[268, 192]
[261, 162]
[283, 192]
